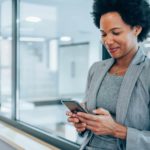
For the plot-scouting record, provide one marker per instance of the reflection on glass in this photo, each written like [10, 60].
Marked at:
[54, 57]
[5, 57]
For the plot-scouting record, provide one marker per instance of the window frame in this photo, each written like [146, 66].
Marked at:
[34, 131]
[49, 138]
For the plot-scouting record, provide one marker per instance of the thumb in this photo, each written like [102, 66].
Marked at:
[101, 111]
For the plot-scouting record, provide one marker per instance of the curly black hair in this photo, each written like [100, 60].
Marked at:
[133, 13]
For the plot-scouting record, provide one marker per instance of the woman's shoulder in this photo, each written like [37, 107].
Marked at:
[99, 64]
[147, 63]
[146, 71]
[144, 76]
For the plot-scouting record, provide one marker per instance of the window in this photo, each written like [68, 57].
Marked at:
[56, 50]
[5, 58]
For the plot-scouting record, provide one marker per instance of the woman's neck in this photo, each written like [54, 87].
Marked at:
[126, 60]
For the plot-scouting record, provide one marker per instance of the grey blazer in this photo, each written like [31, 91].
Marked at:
[133, 104]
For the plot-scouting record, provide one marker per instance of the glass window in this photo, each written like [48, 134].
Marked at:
[5, 57]
[58, 44]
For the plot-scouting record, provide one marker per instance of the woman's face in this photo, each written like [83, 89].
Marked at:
[118, 37]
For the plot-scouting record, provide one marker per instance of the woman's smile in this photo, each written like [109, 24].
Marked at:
[113, 50]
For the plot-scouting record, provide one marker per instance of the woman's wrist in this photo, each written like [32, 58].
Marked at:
[120, 131]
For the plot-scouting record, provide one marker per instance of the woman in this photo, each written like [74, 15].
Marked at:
[118, 89]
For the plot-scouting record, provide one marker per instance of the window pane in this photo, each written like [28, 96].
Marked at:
[57, 47]
[5, 57]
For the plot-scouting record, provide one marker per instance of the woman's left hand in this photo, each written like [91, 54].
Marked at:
[101, 123]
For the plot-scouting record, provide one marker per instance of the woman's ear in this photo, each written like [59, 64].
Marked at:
[137, 30]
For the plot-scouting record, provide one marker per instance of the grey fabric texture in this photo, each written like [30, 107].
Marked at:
[107, 99]
[108, 93]
[132, 108]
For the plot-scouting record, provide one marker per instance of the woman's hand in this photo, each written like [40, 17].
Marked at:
[73, 118]
[102, 123]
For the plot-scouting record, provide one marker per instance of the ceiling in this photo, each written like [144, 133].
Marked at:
[59, 18]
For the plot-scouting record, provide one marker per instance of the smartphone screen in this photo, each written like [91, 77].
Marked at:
[73, 106]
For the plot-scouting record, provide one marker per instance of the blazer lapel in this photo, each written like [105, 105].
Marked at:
[98, 77]
[128, 85]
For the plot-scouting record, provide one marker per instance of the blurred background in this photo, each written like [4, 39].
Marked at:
[57, 43]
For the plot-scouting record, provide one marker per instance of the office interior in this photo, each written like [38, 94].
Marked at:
[46, 50]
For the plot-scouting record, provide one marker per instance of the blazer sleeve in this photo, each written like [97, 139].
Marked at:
[137, 139]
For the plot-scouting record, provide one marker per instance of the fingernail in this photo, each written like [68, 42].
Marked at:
[94, 111]
[84, 124]
[77, 121]
[78, 113]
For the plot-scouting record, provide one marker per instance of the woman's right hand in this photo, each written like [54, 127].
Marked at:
[73, 118]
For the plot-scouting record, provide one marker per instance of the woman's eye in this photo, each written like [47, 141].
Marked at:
[116, 33]
[103, 35]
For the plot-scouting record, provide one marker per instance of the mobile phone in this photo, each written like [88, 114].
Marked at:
[73, 106]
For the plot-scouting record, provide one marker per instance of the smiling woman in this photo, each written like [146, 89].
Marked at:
[46, 57]
[117, 95]
[118, 37]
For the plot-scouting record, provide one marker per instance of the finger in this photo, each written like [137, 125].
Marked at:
[88, 122]
[92, 128]
[81, 129]
[87, 116]
[80, 125]
[97, 133]
[100, 133]
[73, 120]
[70, 114]
[101, 111]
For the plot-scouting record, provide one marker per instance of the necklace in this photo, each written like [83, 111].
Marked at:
[118, 71]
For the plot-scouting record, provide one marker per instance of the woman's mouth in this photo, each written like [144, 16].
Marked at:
[113, 50]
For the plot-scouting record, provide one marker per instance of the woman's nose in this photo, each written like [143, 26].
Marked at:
[108, 40]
